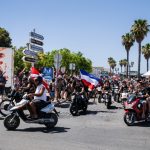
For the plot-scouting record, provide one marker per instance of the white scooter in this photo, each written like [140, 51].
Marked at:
[47, 116]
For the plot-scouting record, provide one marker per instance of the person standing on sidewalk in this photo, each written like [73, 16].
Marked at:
[2, 84]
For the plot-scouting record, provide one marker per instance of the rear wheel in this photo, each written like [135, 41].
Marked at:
[129, 118]
[53, 120]
[11, 122]
[5, 107]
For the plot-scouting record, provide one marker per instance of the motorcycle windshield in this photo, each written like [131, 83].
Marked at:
[131, 98]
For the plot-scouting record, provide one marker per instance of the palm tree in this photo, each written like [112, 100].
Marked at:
[110, 60]
[140, 28]
[127, 42]
[125, 62]
[121, 64]
[113, 65]
[146, 53]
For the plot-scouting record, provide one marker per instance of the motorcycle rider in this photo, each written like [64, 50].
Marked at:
[146, 101]
[106, 87]
[40, 97]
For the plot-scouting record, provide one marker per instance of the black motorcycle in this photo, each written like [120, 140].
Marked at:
[116, 94]
[107, 99]
[47, 116]
[79, 103]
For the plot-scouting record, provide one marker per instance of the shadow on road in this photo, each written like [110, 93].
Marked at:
[44, 130]
[143, 124]
[1, 118]
[91, 112]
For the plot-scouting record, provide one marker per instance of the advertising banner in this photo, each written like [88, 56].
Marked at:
[48, 73]
[7, 64]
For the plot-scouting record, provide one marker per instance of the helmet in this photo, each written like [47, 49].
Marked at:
[39, 79]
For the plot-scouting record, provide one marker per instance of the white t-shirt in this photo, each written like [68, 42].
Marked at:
[42, 97]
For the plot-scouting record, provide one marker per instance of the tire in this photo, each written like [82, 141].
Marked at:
[109, 102]
[108, 105]
[73, 109]
[54, 118]
[129, 118]
[84, 108]
[11, 122]
[5, 106]
[99, 98]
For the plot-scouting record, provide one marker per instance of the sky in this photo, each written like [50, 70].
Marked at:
[93, 27]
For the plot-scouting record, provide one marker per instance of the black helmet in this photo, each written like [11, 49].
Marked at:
[39, 79]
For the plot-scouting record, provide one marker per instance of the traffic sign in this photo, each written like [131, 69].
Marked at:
[72, 66]
[57, 58]
[36, 42]
[37, 36]
[30, 53]
[29, 59]
[36, 48]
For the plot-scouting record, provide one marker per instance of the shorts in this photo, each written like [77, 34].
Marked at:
[39, 103]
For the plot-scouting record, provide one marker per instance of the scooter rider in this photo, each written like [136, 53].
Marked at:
[40, 97]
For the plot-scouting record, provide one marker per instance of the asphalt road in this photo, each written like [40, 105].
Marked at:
[99, 129]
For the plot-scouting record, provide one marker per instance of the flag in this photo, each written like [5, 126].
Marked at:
[89, 80]
[35, 73]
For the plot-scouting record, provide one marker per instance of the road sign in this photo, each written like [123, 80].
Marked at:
[30, 53]
[36, 42]
[72, 66]
[57, 58]
[36, 48]
[37, 36]
[29, 59]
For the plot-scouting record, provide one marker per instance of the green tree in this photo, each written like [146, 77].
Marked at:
[18, 62]
[121, 64]
[139, 29]
[146, 53]
[112, 63]
[125, 62]
[47, 59]
[127, 42]
[5, 40]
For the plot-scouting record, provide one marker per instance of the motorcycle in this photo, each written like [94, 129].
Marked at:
[116, 94]
[9, 102]
[124, 97]
[107, 99]
[133, 110]
[47, 116]
[99, 94]
[79, 102]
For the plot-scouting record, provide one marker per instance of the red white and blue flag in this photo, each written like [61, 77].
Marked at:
[35, 73]
[89, 80]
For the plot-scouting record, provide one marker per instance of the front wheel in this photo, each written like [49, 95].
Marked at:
[11, 122]
[53, 120]
[99, 98]
[5, 106]
[73, 109]
[129, 118]
[84, 108]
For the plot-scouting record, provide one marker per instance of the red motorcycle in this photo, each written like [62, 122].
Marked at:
[133, 110]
